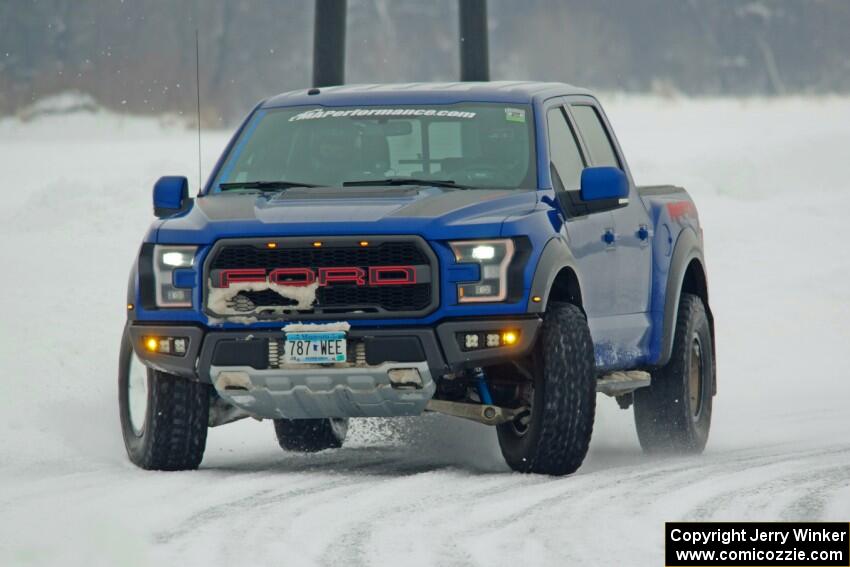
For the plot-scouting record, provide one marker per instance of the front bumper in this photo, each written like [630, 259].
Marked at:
[240, 366]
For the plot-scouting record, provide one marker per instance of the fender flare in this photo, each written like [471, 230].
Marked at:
[555, 257]
[688, 248]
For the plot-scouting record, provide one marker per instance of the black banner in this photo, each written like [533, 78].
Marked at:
[757, 544]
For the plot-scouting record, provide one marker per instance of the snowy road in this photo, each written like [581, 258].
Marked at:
[770, 182]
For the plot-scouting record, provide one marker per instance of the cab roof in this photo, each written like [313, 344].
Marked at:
[514, 92]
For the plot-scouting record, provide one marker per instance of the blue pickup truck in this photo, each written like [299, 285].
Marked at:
[474, 249]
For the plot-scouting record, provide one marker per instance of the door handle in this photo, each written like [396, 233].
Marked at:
[643, 232]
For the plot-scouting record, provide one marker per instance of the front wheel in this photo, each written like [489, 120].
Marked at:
[554, 436]
[310, 435]
[164, 418]
[674, 413]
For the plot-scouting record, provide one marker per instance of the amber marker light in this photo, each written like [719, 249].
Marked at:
[509, 338]
[317, 244]
[536, 299]
[151, 344]
[271, 245]
[129, 307]
[364, 243]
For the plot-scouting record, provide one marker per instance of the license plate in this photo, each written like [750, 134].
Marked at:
[317, 347]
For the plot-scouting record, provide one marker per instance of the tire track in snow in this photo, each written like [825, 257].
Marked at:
[811, 476]
[662, 493]
[408, 505]
[293, 470]
[415, 503]
[581, 506]
[269, 514]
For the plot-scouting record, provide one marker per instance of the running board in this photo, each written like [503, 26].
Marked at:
[482, 413]
[622, 382]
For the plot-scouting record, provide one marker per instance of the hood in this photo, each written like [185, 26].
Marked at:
[431, 212]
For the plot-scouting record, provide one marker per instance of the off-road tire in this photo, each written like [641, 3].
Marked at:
[556, 439]
[310, 435]
[667, 420]
[175, 427]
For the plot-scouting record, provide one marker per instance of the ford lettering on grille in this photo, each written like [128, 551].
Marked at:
[370, 277]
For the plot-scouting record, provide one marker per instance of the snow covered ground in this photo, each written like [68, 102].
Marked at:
[770, 180]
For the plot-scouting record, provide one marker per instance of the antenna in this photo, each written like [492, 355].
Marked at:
[198, 92]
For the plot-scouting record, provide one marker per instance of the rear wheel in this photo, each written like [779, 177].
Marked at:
[310, 435]
[554, 436]
[163, 417]
[674, 413]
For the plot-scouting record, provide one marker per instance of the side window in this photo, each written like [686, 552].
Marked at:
[564, 154]
[595, 137]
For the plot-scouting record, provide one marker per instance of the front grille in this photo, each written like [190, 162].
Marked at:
[386, 254]
[338, 297]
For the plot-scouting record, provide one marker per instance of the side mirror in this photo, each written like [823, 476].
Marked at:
[604, 183]
[170, 196]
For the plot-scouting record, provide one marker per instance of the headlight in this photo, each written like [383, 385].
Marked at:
[165, 260]
[494, 257]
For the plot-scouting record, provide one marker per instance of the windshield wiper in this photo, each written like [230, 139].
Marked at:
[406, 181]
[264, 185]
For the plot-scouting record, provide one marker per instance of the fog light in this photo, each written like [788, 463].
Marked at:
[492, 339]
[510, 337]
[175, 346]
[470, 341]
[179, 346]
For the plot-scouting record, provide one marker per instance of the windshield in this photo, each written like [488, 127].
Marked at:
[477, 145]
